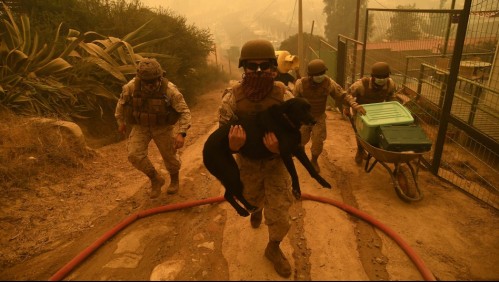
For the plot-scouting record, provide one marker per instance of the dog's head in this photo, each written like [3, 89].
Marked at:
[298, 111]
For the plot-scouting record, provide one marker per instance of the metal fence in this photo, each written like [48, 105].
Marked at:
[446, 65]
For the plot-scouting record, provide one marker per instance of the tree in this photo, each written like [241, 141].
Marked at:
[341, 16]
[291, 43]
[405, 25]
[183, 54]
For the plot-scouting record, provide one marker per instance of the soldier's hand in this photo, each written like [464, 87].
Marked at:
[179, 141]
[237, 137]
[346, 111]
[271, 143]
[359, 109]
[122, 128]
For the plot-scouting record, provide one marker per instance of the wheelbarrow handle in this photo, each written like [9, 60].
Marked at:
[352, 122]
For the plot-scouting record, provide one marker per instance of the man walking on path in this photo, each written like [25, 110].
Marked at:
[316, 87]
[267, 184]
[151, 106]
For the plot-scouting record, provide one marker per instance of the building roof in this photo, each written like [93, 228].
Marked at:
[422, 44]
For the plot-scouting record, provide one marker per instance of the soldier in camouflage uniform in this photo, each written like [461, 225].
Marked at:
[375, 89]
[316, 87]
[151, 106]
[267, 184]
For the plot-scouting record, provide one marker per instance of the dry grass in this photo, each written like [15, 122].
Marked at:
[30, 150]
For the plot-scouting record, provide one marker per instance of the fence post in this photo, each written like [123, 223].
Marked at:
[341, 62]
[443, 89]
[476, 92]
[406, 70]
[464, 15]
[420, 79]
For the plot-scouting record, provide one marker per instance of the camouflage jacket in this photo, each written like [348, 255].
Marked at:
[227, 109]
[172, 93]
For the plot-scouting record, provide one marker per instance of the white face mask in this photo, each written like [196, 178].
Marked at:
[318, 78]
[380, 81]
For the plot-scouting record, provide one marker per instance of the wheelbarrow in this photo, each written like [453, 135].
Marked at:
[404, 176]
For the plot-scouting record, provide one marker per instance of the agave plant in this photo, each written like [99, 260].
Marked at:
[68, 82]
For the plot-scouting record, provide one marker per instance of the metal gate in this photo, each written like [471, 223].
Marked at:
[446, 65]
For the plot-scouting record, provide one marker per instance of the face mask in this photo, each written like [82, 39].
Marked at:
[257, 85]
[380, 81]
[319, 78]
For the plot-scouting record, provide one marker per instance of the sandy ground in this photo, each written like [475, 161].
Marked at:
[448, 233]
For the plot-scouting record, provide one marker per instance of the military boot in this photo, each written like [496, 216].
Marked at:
[256, 219]
[276, 256]
[315, 164]
[173, 188]
[156, 183]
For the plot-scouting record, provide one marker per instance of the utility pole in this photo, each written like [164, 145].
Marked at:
[216, 56]
[357, 20]
[301, 54]
[230, 69]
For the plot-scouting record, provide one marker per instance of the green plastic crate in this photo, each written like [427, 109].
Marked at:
[400, 138]
[377, 114]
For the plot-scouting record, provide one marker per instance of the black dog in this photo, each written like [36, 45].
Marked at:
[284, 120]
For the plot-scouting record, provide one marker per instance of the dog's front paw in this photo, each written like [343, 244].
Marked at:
[243, 212]
[297, 194]
[324, 183]
[251, 208]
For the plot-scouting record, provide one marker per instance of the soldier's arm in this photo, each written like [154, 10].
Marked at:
[125, 97]
[298, 90]
[227, 107]
[392, 90]
[349, 100]
[179, 105]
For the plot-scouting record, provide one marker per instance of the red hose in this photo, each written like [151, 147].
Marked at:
[59, 275]
[425, 272]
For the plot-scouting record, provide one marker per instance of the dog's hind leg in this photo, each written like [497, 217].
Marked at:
[233, 184]
[225, 169]
[302, 157]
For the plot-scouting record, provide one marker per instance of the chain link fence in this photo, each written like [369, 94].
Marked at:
[446, 65]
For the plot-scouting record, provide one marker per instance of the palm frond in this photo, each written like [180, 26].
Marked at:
[54, 66]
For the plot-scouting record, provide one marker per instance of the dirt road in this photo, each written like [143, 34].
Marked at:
[454, 236]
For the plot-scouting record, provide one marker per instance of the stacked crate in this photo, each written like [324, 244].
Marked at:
[390, 126]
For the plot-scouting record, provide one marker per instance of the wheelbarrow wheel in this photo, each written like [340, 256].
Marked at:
[407, 183]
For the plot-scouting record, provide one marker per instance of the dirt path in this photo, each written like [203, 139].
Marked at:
[454, 235]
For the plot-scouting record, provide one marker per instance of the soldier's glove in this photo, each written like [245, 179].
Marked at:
[346, 111]
[359, 109]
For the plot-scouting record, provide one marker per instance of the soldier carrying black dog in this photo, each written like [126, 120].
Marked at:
[267, 184]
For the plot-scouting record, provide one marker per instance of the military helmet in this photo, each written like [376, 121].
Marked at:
[316, 67]
[257, 49]
[380, 69]
[149, 68]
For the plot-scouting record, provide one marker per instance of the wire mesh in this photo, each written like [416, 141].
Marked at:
[420, 47]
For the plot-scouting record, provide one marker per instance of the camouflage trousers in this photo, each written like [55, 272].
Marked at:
[315, 132]
[138, 147]
[267, 185]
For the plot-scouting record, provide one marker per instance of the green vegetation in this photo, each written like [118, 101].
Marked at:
[76, 71]
[405, 26]
[341, 16]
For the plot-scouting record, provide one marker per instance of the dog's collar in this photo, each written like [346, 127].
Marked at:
[288, 120]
